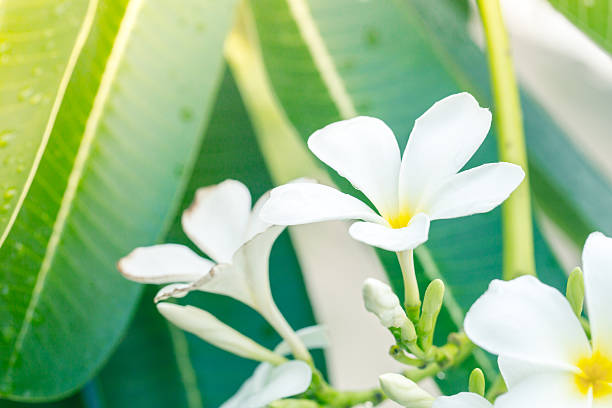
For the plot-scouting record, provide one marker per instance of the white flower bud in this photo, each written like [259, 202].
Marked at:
[380, 300]
[404, 391]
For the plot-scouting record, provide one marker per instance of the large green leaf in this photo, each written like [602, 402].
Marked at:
[393, 59]
[594, 17]
[40, 42]
[115, 164]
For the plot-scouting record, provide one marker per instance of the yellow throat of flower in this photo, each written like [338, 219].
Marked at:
[596, 374]
[400, 220]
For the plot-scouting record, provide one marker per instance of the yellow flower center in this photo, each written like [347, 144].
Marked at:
[596, 374]
[401, 220]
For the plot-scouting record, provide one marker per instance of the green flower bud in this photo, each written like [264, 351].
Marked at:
[575, 290]
[432, 304]
[477, 382]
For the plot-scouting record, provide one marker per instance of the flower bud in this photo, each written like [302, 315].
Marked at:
[477, 382]
[404, 391]
[432, 304]
[380, 300]
[575, 290]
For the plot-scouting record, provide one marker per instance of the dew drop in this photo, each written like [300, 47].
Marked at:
[18, 247]
[60, 8]
[4, 59]
[37, 71]
[372, 37]
[8, 333]
[6, 136]
[5, 207]
[186, 114]
[5, 290]
[10, 193]
[35, 99]
[20, 168]
[25, 93]
[4, 47]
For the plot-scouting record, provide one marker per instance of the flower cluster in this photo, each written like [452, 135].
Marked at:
[549, 354]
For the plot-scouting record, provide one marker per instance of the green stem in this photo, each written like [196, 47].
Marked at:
[516, 211]
[412, 297]
[328, 396]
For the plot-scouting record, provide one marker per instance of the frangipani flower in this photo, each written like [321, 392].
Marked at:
[221, 223]
[425, 184]
[408, 394]
[544, 353]
[269, 383]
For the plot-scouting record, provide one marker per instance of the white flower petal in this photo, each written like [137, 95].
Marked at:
[515, 371]
[527, 320]
[217, 219]
[549, 390]
[602, 402]
[313, 337]
[364, 151]
[163, 264]
[268, 384]
[286, 380]
[255, 224]
[217, 333]
[250, 264]
[462, 400]
[398, 239]
[404, 391]
[597, 262]
[474, 191]
[303, 203]
[442, 141]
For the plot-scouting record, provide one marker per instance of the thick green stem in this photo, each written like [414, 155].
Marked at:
[412, 298]
[516, 211]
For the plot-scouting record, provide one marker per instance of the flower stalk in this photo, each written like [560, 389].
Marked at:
[516, 211]
[412, 297]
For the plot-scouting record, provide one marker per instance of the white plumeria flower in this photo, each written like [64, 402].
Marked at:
[408, 394]
[544, 353]
[424, 185]
[269, 383]
[221, 223]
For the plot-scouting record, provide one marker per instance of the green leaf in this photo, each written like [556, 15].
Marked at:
[115, 164]
[591, 16]
[40, 43]
[393, 59]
